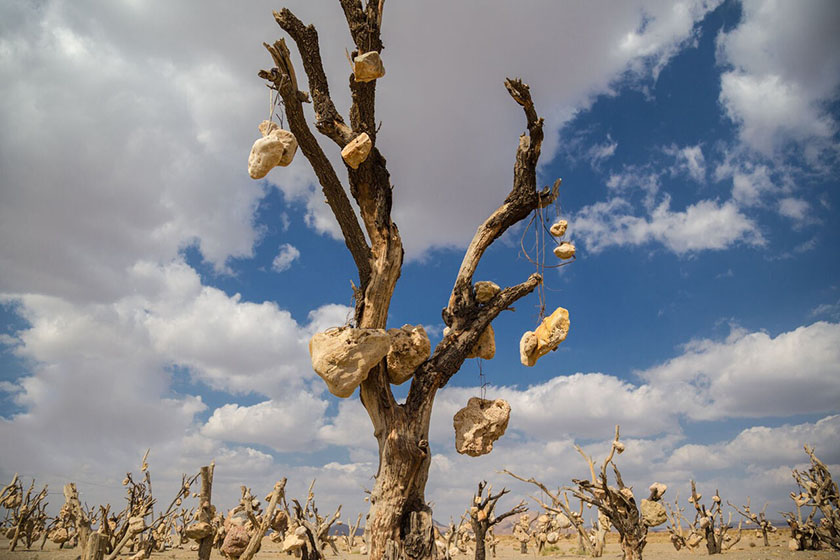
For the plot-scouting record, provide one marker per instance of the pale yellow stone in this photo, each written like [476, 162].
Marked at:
[485, 348]
[368, 67]
[657, 490]
[565, 250]
[357, 150]
[276, 148]
[485, 291]
[479, 424]
[653, 513]
[558, 228]
[198, 531]
[343, 357]
[548, 336]
[410, 347]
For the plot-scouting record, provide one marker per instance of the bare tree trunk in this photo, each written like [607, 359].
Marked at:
[205, 545]
[631, 548]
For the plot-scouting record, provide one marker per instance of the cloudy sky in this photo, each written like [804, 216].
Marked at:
[153, 296]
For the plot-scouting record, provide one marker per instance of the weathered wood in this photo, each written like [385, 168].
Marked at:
[205, 509]
[262, 527]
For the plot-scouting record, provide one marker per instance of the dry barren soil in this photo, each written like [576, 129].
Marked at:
[658, 548]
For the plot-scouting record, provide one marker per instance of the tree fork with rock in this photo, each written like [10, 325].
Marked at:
[399, 523]
[482, 517]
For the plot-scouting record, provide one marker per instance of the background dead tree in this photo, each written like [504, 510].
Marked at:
[482, 516]
[449, 540]
[678, 538]
[522, 532]
[764, 527]
[27, 515]
[717, 538]
[818, 491]
[76, 517]
[560, 506]
[618, 504]
[352, 530]
[399, 516]
[309, 531]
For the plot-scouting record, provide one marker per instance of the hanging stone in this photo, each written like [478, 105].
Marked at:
[479, 424]
[357, 150]
[485, 348]
[564, 251]
[548, 336]
[198, 531]
[368, 67]
[344, 356]
[558, 228]
[276, 148]
[485, 291]
[410, 347]
[653, 513]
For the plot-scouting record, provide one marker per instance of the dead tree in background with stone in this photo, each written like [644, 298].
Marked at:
[482, 516]
[764, 527]
[399, 522]
[818, 491]
[618, 504]
[560, 507]
[717, 537]
[678, 538]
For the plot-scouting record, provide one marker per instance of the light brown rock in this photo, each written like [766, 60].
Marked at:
[236, 541]
[344, 356]
[653, 513]
[485, 291]
[565, 250]
[657, 490]
[548, 336]
[292, 542]
[198, 531]
[357, 150]
[410, 347]
[479, 424]
[558, 228]
[485, 348]
[368, 67]
[561, 521]
[277, 147]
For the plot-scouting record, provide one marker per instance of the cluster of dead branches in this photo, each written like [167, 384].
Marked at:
[818, 493]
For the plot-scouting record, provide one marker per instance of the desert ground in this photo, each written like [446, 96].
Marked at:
[658, 547]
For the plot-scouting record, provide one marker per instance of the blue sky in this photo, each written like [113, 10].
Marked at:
[154, 296]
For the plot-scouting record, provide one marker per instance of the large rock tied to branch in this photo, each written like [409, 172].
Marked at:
[236, 541]
[368, 67]
[344, 356]
[357, 150]
[479, 424]
[410, 347]
[486, 290]
[653, 513]
[276, 148]
[548, 336]
[485, 348]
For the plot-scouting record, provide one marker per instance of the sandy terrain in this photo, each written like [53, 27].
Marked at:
[659, 548]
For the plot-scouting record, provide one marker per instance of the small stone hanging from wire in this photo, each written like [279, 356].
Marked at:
[276, 148]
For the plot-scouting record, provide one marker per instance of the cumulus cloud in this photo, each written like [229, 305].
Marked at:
[285, 257]
[705, 225]
[689, 160]
[783, 67]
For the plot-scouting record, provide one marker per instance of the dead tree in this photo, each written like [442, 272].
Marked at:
[26, 513]
[560, 506]
[678, 538]
[717, 538]
[309, 531]
[618, 504]
[818, 491]
[399, 522]
[350, 537]
[764, 527]
[522, 532]
[482, 517]
[449, 541]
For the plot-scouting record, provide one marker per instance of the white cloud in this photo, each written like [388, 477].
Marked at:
[752, 375]
[796, 209]
[602, 152]
[784, 67]
[285, 257]
[705, 225]
[689, 160]
[750, 184]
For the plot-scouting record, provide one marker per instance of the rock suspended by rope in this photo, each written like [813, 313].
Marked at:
[479, 424]
[548, 336]
[368, 67]
[344, 356]
[565, 250]
[410, 347]
[276, 148]
[558, 228]
[357, 150]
